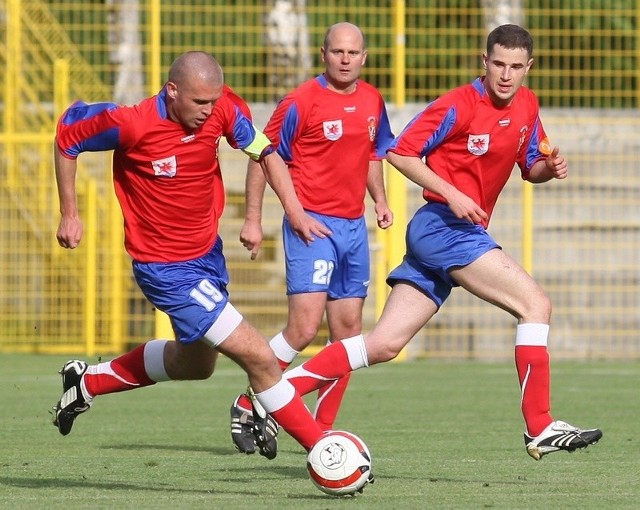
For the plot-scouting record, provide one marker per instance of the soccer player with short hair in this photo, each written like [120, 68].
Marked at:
[333, 132]
[168, 182]
[462, 149]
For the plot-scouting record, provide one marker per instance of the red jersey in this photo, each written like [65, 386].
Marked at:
[167, 177]
[327, 139]
[473, 144]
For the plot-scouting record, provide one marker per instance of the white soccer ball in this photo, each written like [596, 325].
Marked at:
[339, 463]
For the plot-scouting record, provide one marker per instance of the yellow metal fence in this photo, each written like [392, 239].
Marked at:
[580, 238]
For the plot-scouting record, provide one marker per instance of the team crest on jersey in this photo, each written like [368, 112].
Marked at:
[371, 124]
[478, 144]
[166, 167]
[332, 129]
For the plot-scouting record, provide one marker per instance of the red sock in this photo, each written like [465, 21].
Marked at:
[329, 364]
[329, 400]
[245, 402]
[126, 372]
[296, 420]
[283, 364]
[532, 363]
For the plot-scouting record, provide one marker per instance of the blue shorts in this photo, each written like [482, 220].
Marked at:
[437, 242]
[192, 293]
[338, 264]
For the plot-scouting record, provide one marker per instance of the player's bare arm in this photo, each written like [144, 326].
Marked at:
[251, 234]
[375, 186]
[553, 166]
[70, 229]
[415, 170]
[278, 177]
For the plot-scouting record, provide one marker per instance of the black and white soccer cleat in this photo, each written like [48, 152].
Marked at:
[242, 427]
[559, 435]
[265, 429]
[74, 400]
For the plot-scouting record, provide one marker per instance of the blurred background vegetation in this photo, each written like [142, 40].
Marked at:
[586, 50]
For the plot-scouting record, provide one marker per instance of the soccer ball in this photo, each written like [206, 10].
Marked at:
[339, 463]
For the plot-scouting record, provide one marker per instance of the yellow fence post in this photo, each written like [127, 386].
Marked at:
[397, 184]
[155, 32]
[527, 227]
[44, 175]
[380, 269]
[116, 309]
[90, 288]
[11, 71]
[60, 86]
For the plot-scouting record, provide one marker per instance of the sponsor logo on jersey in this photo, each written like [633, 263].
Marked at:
[504, 122]
[188, 138]
[523, 135]
[166, 167]
[332, 129]
[371, 123]
[478, 144]
[349, 109]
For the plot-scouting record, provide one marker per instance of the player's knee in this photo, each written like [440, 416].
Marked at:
[302, 334]
[382, 354]
[537, 308]
[345, 330]
[202, 371]
[191, 371]
[190, 363]
[263, 369]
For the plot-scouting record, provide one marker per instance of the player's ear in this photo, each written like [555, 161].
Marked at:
[529, 64]
[172, 90]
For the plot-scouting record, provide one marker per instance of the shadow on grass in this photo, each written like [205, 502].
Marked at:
[58, 483]
[224, 451]
[63, 483]
[262, 464]
[172, 447]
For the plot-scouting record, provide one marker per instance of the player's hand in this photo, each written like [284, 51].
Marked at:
[251, 237]
[466, 209]
[69, 232]
[308, 228]
[384, 216]
[557, 165]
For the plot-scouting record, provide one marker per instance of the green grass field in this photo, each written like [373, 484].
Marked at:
[442, 435]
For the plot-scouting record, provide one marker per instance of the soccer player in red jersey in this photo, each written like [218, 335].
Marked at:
[462, 149]
[333, 132]
[168, 182]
